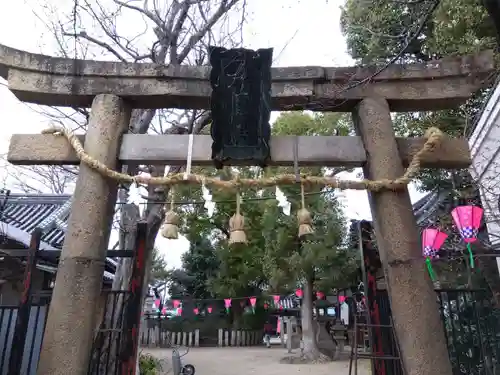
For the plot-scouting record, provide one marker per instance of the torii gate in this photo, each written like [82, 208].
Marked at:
[112, 89]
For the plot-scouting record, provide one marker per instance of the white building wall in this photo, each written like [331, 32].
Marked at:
[485, 151]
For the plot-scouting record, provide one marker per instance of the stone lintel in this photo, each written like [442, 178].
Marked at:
[330, 151]
[11, 58]
[434, 85]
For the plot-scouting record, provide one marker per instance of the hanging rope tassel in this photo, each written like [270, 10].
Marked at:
[237, 225]
[471, 256]
[304, 217]
[430, 269]
[170, 228]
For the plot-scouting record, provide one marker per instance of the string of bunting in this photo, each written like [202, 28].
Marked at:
[433, 137]
[278, 302]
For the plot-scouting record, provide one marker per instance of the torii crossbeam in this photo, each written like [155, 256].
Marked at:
[112, 89]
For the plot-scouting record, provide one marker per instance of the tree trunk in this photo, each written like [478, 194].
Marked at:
[309, 338]
[115, 303]
[237, 315]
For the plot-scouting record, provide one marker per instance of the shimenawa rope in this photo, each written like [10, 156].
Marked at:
[433, 138]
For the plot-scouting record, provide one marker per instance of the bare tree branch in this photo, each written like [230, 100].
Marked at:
[104, 45]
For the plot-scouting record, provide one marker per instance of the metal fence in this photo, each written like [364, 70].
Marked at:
[33, 342]
[105, 353]
[115, 348]
[386, 338]
[472, 328]
[108, 343]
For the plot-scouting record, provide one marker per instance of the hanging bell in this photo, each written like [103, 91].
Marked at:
[237, 229]
[237, 224]
[170, 228]
[305, 222]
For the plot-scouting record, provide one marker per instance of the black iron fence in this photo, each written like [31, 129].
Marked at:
[33, 339]
[105, 354]
[472, 328]
[116, 344]
[107, 347]
[386, 338]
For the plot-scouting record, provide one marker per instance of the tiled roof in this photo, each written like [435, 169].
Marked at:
[426, 207]
[26, 212]
[22, 213]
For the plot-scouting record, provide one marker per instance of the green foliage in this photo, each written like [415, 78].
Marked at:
[271, 256]
[378, 30]
[199, 264]
[208, 324]
[159, 272]
[239, 270]
[149, 365]
[301, 123]
[323, 256]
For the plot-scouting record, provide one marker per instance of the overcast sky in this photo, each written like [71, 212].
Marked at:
[305, 33]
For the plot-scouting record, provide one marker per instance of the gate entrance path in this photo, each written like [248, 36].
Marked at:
[113, 89]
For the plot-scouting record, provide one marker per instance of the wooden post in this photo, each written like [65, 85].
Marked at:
[281, 324]
[411, 293]
[24, 310]
[219, 338]
[233, 337]
[133, 306]
[69, 332]
[288, 329]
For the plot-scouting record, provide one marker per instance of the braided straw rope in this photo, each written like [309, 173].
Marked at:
[433, 138]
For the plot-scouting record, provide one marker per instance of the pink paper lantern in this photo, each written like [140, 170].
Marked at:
[299, 293]
[209, 309]
[227, 304]
[179, 311]
[176, 303]
[468, 219]
[432, 240]
[164, 310]
[276, 299]
[266, 306]
[253, 301]
[157, 302]
[196, 311]
[341, 299]
[320, 295]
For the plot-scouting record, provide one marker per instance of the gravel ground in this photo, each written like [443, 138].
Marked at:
[252, 360]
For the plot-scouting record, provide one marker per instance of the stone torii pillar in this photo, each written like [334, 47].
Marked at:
[71, 321]
[411, 292]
